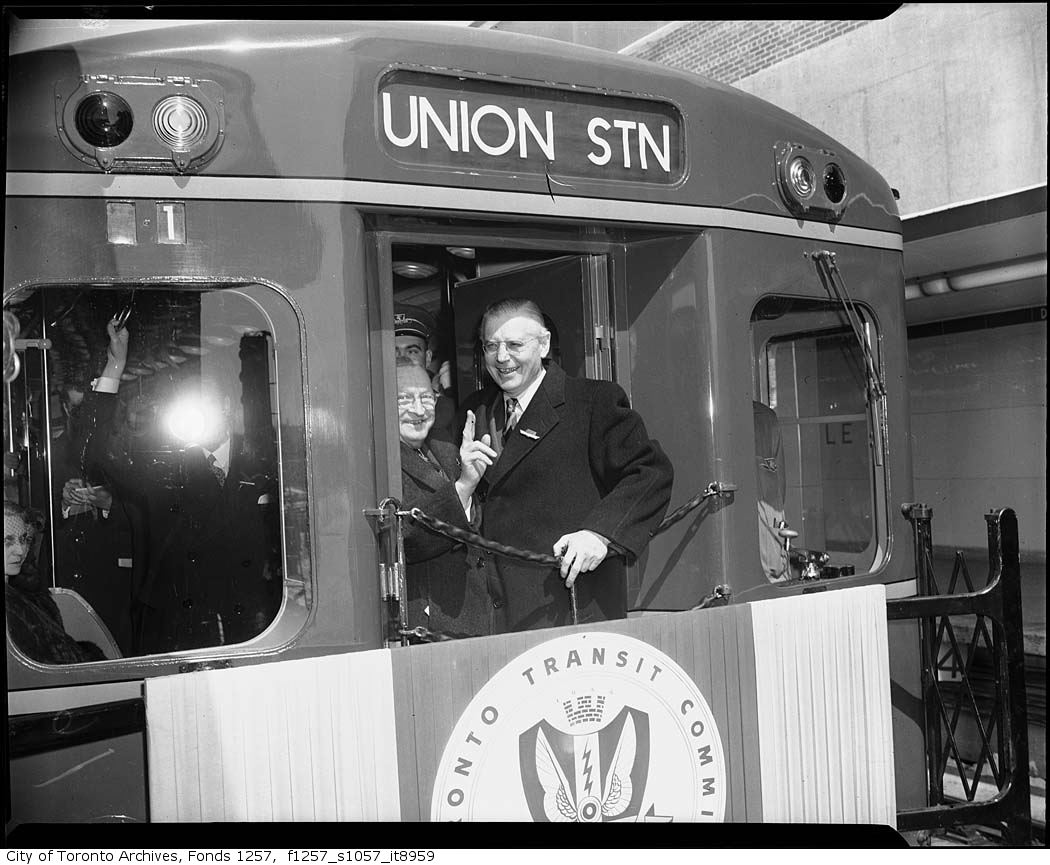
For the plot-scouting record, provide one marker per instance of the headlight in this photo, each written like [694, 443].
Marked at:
[800, 176]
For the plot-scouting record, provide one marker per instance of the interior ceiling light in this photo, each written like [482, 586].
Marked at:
[462, 251]
[414, 269]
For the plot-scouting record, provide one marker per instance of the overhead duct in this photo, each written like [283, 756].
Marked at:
[985, 277]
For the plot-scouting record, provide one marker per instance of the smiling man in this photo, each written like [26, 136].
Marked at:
[448, 591]
[577, 475]
[414, 329]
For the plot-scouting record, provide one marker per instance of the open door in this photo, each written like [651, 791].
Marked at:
[569, 290]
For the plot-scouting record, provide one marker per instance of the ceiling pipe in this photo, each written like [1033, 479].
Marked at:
[999, 274]
[937, 285]
[985, 277]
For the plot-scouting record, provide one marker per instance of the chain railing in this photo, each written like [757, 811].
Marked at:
[392, 568]
[949, 664]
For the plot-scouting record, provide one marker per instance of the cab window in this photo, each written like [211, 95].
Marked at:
[818, 459]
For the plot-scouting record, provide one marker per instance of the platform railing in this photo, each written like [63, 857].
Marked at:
[949, 695]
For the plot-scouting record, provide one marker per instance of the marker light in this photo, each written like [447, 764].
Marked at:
[168, 124]
[103, 119]
[179, 121]
[834, 183]
[810, 180]
[800, 175]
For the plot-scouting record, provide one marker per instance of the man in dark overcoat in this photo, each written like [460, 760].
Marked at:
[577, 474]
[448, 592]
[212, 571]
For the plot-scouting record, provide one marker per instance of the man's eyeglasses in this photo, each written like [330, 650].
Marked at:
[514, 346]
[405, 400]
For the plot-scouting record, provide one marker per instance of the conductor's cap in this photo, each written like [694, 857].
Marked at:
[412, 321]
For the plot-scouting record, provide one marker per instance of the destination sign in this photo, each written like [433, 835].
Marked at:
[447, 122]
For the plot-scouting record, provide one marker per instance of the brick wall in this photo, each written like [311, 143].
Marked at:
[730, 50]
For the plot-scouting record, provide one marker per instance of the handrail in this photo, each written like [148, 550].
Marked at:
[1000, 601]
[389, 509]
[455, 533]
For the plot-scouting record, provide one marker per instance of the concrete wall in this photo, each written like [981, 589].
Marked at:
[978, 408]
[947, 101]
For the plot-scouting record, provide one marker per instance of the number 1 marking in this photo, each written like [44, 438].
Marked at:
[169, 210]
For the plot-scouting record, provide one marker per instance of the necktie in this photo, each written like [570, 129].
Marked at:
[220, 475]
[512, 416]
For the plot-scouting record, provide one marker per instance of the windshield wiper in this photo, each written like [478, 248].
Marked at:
[832, 279]
[829, 275]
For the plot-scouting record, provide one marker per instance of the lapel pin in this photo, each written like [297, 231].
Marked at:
[529, 433]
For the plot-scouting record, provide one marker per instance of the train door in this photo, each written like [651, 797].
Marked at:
[448, 287]
[562, 288]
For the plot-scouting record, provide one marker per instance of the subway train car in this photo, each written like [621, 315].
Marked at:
[254, 202]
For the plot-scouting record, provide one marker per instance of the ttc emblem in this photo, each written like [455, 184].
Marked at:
[586, 777]
[592, 727]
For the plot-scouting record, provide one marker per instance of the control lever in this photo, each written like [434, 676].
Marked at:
[787, 534]
[809, 564]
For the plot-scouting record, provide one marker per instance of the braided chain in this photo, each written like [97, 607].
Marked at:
[693, 503]
[475, 540]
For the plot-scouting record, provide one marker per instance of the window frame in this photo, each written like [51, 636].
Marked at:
[288, 357]
[829, 322]
[605, 355]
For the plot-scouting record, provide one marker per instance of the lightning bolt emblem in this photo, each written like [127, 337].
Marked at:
[587, 769]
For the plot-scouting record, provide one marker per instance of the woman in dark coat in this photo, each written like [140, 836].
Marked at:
[33, 619]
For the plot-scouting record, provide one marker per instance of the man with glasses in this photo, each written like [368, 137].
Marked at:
[577, 475]
[448, 593]
[414, 330]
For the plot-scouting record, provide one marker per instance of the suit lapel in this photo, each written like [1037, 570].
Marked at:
[447, 455]
[542, 415]
[422, 472]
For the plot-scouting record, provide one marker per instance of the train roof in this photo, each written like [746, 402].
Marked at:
[300, 100]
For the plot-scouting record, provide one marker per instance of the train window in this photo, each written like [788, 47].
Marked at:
[818, 458]
[167, 500]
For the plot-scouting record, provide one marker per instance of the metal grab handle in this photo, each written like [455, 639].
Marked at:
[715, 488]
[392, 567]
